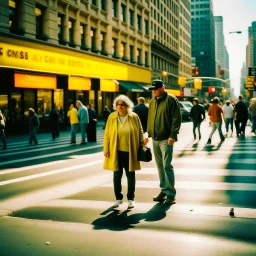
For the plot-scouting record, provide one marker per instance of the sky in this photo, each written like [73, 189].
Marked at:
[237, 15]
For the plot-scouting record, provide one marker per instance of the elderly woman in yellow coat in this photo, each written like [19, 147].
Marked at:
[123, 135]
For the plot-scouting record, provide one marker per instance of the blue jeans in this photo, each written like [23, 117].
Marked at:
[74, 129]
[83, 128]
[196, 125]
[163, 156]
[2, 135]
[227, 122]
[32, 134]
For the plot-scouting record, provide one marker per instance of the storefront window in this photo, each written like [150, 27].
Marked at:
[59, 103]
[4, 105]
[44, 102]
[80, 96]
[92, 98]
[29, 101]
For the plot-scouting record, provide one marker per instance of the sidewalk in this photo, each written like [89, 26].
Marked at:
[44, 135]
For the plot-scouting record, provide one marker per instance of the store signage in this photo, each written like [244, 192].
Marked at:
[77, 64]
[79, 83]
[177, 93]
[25, 80]
[250, 82]
[109, 85]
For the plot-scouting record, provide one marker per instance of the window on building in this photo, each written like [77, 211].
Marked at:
[146, 27]
[93, 39]
[103, 5]
[71, 32]
[39, 23]
[139, 56]
[82, 29]
[139, 22]
[13, 16]
[131, 16]
[94, 2]
[114, 8]
[60, 29]
[131, 53]
[123, 13]
[102, 40]
[146, 59]
[114, 47]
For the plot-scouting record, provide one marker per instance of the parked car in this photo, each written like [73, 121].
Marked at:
[185, 107]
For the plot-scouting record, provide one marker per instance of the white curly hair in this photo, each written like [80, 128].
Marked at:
[126, 101]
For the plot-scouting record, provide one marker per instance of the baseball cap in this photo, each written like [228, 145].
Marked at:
[156, 84]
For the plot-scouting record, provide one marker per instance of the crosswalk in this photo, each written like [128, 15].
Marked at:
[58, 175]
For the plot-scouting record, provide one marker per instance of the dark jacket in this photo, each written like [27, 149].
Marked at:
[92, 115]
[164, 117]
[142, 111]
[197, 113]
[34, 121]
[241, 111]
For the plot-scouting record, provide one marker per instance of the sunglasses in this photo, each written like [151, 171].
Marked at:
[121, 105]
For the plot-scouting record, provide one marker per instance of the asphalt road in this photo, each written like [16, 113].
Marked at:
[55, 199]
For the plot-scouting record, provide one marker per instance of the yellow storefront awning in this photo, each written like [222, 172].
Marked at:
[107, 85]
[79, 83]
[177, 93]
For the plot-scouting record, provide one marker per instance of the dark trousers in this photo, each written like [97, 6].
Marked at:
[55, 130]
[197, 125]
[240, 126]
[123, 163]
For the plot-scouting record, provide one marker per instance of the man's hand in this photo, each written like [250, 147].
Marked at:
[146, 140]
[106, 153]
[171, 141]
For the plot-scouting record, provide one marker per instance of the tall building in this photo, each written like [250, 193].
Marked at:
[221, 53]
[57, 52]
[165, 43]
[251, 48]
[203, 37]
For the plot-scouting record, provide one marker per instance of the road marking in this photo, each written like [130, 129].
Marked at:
[40, 175]
[205, 172]
[145, 207]
[195, 185]
[33, 167]
[81, 148]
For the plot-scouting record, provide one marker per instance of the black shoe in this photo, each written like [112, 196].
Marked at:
[83, 143]
[160, 198]
[209, 141]
[222, 139]
[170, 200]
[200, 137]
[36, 142]
[3, 148]
[73, 142]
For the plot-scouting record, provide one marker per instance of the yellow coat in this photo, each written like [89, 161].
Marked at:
[110, 141]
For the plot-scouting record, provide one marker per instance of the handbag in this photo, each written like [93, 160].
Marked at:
[144, 154]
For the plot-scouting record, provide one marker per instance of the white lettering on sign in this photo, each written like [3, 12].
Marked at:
[36, 79]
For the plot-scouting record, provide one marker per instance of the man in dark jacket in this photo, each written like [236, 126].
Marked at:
[164, 121]
[142, 111]
[241, 116]
[197, 114]
[91, 128]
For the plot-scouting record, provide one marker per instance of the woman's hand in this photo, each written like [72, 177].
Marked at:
[146, 140]
[106, 153]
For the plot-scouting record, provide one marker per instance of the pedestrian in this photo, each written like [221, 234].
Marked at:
[83, 120]
[215, 113]
[91, 128]
[197, 113]
[105, 115]
[164, 121]
[2, 133]
[142, 111]
[74, 122]
[54, 122]
[228, 116]
[241, 116]
[34, 125]
[252, 110]
[122, 137]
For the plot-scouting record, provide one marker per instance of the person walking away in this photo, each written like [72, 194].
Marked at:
[252, 109]
[142, 111]
[105, 115]
[122, 137]
[34, 125]
[74, 122]
[54, 122]
[215, 113]
[241, 116]
[197, 113]
[228, 116]
[2, 133]
[164, 121]
[92, 126]
[83, 120]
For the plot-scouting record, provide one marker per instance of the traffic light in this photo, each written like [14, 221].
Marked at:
[195, 71]
[211, 89]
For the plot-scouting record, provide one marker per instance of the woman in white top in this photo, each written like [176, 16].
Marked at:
[228, 116]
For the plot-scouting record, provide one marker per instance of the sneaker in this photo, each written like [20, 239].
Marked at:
[73, 142]
[131, 204]
[209, 141]
[160, 198]
[170, 200]
[83, 143]
[117, 203]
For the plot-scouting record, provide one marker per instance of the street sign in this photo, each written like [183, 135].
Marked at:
[250, 82]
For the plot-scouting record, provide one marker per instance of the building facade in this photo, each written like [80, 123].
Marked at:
[60, 51]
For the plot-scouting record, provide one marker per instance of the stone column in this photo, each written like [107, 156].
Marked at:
[108, 42]
[66, 27]
[135, 57]
[88, 43]
[77, 33]
[98, 38]
[118, 48]
[127, 50]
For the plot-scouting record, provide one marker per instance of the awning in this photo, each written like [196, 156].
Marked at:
[126, 86]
